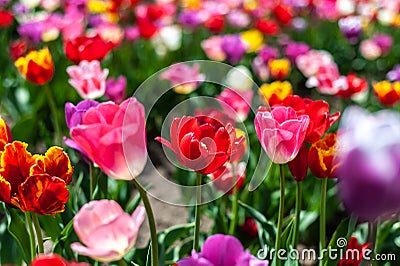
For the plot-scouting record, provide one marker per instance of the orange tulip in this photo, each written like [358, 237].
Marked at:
[36, 67]
[388, 93]
[5, 134]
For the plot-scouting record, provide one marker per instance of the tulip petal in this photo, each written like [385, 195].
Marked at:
[100, 255]
[5, 190]
[222, 250]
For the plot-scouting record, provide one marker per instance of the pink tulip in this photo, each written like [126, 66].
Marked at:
[281, 132]
[106, 231]
[88, 79]
[184, 78]
[116, 89]
[114, 138]
[236, 103]
[213, 49]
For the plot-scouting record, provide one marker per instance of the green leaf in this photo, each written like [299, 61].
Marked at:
[16, 227]
[10, 252]
[343, 232]
[51, 225]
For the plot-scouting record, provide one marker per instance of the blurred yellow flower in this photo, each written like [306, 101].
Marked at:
[99, 6]
[279, 68]
[253, 39]
[275, 92]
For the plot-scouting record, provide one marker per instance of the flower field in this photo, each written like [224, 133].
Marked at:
[274, 124]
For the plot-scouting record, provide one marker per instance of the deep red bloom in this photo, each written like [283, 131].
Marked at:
[200, 143]
[321, 157]
[5, 134]
[267, 26]
[155, 11]
[54, 260]
[17, 48]
[318, 111]
[283, 14]
[87, 48]
[354, 85]
[354, 253]
[249, 227]
[299, 165]
[225, 181]
[6, 18]
[147, 28]
[215, 23]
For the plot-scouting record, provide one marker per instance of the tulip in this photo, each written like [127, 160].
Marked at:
[318, 111]
[6, 18]
[295, 49]
[88, 79]
[200, 143]
[106, 231]
[267, 26]
[225, 181]
[321, 157]
[299, 165]
[239, 79]
[352, 258]
[283, 14]
[212, 48]
[253, 39]
[370, 50]
[310, 62]
[36, 67]
[236, 102]
[116, 89]
[17, 48]
[279, 68]
[5, 134]
[275, 92]
[394, 74]
[114, 138]
[36, 183]
[369, 166]
[86, 48]
[54, 260]
[234, 48]
[281, 132]
[215, 23]
[249, 228]
[222, 250]
[388, 93]
[354, 85]
[184, 78]
[383, 41]
[351, 28]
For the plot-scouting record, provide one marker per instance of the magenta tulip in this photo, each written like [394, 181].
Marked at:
[106, 231]
[114, 138]
[236, 103]
[281, 132]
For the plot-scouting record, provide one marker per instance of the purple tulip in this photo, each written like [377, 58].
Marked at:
[116, 89]
[267, 53]
[189, 19]
[294, 49]
[222, 250]
[32, 30]
[233, 47]
[73, 117]
[384, 41]
[394, 74]
[238, 19]
[351, 28]
[369, 169]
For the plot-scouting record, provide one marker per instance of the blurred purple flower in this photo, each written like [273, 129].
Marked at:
[116, 89]
[222, 250]
[294, 49]
[238, 19]
[267, 53]
[20, 9]
[369, 169]
[32, 30]
[384, 41]
[394, 74]
[351, 28]
[73, 117]
[233, 47]
[132, 33]
[4, 2]
[189, 19]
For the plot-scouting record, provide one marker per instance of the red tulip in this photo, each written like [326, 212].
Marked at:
[354, 85]
[54, 260]
[321, 157]
[318, 111]
[215, 23]
[225, 181]
[249, 227]
[352, 258]
[283, 14]
[6, 18]
[17, 48]
[299, 165]
[147, 28]
[87, 48]
[267, 26]
[200, 143]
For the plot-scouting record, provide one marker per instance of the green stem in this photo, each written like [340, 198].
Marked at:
[93, 181]
[322, 218]
[152, 224]
[372, 234]
[232, 226]
[298, 210]
[38, 233]
[28, 221]
[278, 244]
[197, 213]
[54, 112]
